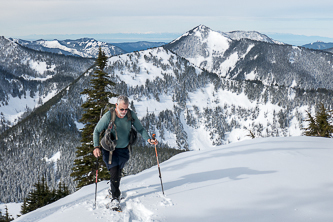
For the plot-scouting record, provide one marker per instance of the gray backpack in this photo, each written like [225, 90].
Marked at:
[109, 141]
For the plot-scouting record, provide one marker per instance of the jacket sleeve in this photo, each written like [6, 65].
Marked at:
[138, 126]
[100, 126]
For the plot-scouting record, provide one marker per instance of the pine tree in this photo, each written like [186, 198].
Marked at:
[320, 125]
[24, 206]
[42, 196]
[62, 191]
[34, 198]
[45, 193]
[97, 98]
[6, 217]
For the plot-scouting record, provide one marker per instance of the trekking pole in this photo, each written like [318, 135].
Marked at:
[158, 164]
[97, 165]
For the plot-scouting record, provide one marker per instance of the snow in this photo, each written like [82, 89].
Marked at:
[55, 44]
[251, 76]
[53, 160]
[228, 64]
[18, 106]
[79, 125]
[216, 43]
[147, 70]
[26, 77]
[294, 84]
[40, 67]
[13, 209]
[265, 179]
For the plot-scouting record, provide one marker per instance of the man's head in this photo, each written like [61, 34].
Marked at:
[122, 106]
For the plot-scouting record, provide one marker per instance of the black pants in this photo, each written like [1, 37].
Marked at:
[115, 176]
[119, 158]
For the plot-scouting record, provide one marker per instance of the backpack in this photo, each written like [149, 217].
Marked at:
[109, 141]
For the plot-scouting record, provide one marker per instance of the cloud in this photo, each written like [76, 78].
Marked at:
[21, 17]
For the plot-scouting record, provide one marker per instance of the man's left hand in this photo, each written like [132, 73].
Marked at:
[153, 142]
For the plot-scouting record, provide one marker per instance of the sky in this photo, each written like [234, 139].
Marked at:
[38, 18]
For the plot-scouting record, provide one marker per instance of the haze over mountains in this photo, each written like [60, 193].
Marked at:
[202, 88]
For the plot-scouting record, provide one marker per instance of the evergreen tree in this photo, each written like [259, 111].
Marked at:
[34, 198]
[45, 193]
[62, 191]
[6, 217]
[97, 98]
[42, 196]
[24, 208]
[320, 124]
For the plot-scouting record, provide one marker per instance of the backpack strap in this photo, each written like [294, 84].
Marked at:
[129, 116]
[111, 124]
[112, 120]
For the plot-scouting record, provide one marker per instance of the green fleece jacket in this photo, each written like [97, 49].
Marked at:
[123, 129]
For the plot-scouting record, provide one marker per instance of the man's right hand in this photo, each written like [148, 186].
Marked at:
[97, 152]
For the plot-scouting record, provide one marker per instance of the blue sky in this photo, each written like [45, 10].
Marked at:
[38, 18]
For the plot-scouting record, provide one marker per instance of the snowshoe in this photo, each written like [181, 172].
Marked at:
[114, 205]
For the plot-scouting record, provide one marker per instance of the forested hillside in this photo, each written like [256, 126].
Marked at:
[182, 101]
[29, 78]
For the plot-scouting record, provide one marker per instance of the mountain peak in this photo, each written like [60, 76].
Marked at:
[199, 45]
[201, 28]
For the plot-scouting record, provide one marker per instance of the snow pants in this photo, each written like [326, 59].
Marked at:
[119, 158]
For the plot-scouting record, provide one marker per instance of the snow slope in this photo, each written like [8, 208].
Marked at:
[267, 179]
[84, 47]
[237, 35]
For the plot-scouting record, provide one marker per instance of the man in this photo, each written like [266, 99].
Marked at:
[121, 153]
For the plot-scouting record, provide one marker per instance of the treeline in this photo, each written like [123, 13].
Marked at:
[42, 195]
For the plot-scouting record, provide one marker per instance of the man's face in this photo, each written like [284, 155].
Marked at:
[122, 109]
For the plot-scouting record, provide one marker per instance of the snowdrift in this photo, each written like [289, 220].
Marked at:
[266, 179]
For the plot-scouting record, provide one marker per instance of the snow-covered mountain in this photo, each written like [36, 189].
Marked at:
[245, 59]
[187, 106]
[29, 78]
[266, 179]
[85, 47]
[253, 35]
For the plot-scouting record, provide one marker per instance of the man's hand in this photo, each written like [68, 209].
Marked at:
[153, 141]
[97, 152]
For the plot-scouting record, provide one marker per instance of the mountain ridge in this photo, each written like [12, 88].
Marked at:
[84, 47]
[30, 78]
[319, 45]
[253, 35]
[255, 60]
[186, 106]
